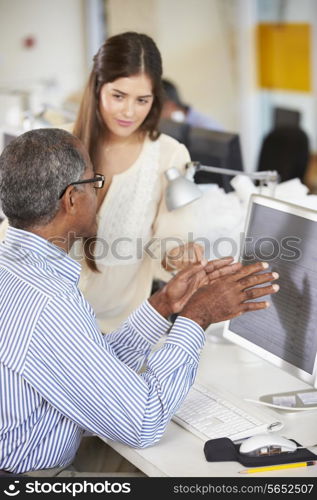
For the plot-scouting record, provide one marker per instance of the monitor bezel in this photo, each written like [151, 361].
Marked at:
[10, 131]
[216, 148]
[229, 334]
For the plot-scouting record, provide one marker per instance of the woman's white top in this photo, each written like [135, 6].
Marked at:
[134, 231]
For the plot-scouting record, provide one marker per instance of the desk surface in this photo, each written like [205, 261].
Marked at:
[180, 453]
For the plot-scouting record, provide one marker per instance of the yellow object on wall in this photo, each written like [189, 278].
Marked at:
[284, 56]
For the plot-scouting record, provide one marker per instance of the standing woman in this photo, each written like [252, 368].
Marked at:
[117, 122]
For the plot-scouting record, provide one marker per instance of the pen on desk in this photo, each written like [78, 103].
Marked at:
[277, 467]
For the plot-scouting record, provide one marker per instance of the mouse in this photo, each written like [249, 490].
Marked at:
[266, 444]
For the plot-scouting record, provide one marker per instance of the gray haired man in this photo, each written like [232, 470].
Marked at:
[59, 374]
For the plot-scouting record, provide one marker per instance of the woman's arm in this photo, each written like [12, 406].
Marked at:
[174, 229]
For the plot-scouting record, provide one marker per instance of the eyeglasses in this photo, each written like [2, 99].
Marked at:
[98, 180]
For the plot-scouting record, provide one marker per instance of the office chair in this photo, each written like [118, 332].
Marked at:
[178, 130]
[284, 117]
[286, 150]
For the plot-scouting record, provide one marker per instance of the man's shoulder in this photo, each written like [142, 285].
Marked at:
[30, 301]
[29, 286]
[23, 272]
[198, 119]
[21, 306]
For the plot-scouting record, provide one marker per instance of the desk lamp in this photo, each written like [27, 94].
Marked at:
[181, 190]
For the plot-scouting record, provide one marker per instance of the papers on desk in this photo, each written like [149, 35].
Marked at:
[308, 398]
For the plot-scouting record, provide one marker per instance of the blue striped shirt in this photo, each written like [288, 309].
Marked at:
[60, 376]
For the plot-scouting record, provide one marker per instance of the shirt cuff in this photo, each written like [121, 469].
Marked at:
[149, 323]
[187, 334]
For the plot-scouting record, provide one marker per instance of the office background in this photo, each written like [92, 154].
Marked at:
[213, 49]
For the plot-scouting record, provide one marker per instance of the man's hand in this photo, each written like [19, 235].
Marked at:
[214, 270]
[228, 297]
[179, 257]
[174, 295]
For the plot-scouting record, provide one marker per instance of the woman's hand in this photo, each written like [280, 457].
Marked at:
[179, 257]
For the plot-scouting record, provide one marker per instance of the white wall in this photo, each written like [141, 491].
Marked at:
[196, 39]
[208, 48]
[57, 61]
[248, 100]
[303, 11]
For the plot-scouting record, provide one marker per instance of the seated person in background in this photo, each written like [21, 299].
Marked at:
[286, 150]
[175, 109]
[59, 374]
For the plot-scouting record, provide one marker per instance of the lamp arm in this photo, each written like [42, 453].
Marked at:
[265, 175]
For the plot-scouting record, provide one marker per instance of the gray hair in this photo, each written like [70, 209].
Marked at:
[35, 168]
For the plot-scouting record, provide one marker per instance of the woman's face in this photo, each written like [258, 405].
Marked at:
[125, 103]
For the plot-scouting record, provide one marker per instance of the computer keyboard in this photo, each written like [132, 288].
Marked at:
[211, 414]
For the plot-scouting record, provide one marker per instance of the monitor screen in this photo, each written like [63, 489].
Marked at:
[216, 149]
[285, 236]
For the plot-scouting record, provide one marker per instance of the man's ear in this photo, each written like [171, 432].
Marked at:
[70, 200]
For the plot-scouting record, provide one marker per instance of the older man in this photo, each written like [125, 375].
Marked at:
[59, 374]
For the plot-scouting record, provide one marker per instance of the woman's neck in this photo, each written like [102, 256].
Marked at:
[115, 155]
[115, 141]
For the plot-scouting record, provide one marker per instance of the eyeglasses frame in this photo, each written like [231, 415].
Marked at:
[98, 178]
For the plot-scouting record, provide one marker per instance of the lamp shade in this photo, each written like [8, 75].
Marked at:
[179, 191]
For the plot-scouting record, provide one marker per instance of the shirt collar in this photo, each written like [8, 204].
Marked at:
[58, 258]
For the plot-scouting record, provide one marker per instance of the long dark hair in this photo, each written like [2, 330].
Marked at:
[123, 55]
[120, 56]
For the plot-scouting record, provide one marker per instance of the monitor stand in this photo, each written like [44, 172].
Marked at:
[214, 333]
[301, 400]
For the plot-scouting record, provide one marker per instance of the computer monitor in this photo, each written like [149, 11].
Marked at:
[7, 135]
[216, 149]
[285, 334]
[178, 130]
